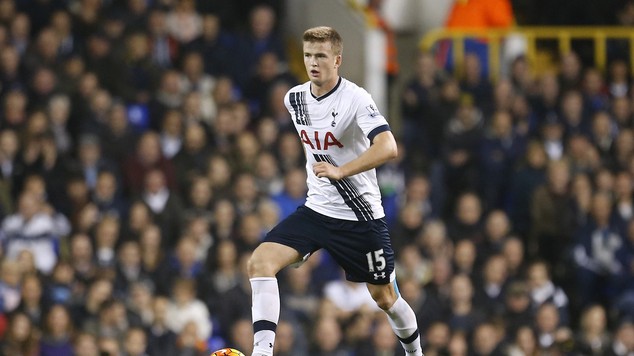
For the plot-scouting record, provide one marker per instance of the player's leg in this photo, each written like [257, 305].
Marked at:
[400, 315]
[363, 249]
[271, 257]
[286, 244]
[267, 259]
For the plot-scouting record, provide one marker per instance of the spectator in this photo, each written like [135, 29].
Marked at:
[301, 299]
[91, 161]
[219, 174]
[570, 72]
[164, 47]
[261, 37]
[215, 45]
[489, 294]
[513, 252]
[423, 123]
[129, 269]
[412, 265]
[551, 218]
[117, 136]
[140, 73]
[267, 171]
[135, 343]
[518, 313]
[192, 156]
[85, 344]
[164, 204]
[476, 83]
[467, 220]
[543, 290]
[107, 237]
[59, 110]
[500, 149]
[20, 229]
[437, 338]
[183, 22]
[593, 338]
[524, 342]
[32, 301]
[269, 70]
[241, 335]
[147, 156]
[107, 195]
[135, 14]
[465, 254]
[596, 244]
[87, 312]
[487, 340]
[21, 337]
[62, 287]
[623, 340]
[10, 72]
[172, 127]
[458, 344]
[462, 142]
[291, 340]
[327, 338]
[112, 321]
[140, 298]
[551, 335]
[200, 200]
[621, 113]
[168, 95]
[293, 194]
[184, 308]
[14, 109]
[603, 136]
[57, 333]
[573, 114]
[595, 92]
[161, 340]
[11, 169]
[195, 79]
[82, 258]
[463, 315]
[225, 271]
[496, 229]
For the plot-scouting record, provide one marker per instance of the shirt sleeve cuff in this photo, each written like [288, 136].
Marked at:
[377, 130]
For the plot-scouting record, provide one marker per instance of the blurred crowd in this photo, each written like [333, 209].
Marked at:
[145, 151]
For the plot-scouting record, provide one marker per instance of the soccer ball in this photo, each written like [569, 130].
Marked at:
[227, 352]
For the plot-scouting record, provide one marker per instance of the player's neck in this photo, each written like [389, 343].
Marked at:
[319, 90]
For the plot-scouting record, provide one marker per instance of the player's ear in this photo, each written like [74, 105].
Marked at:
[338, 60]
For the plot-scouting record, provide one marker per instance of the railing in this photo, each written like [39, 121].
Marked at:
[563, 35]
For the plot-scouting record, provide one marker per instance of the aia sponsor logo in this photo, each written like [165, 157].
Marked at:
[316, 142]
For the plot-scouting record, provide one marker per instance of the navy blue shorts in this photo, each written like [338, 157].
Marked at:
[362, 248]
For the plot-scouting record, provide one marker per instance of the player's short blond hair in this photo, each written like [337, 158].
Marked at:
[325, 34]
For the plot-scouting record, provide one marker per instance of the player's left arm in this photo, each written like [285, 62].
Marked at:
[382, 149]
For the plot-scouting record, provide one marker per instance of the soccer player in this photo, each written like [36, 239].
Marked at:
[345, 138]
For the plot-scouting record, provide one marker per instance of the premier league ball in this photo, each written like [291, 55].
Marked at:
[227, 352]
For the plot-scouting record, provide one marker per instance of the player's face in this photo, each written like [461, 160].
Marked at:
[321, 63]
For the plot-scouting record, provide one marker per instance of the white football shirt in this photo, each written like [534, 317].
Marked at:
[337, 127]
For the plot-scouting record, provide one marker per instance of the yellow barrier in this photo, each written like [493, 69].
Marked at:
[563, 36]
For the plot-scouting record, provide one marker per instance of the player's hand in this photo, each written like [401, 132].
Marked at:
[327, 170]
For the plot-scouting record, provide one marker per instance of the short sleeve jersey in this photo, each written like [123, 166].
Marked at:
[336, 128]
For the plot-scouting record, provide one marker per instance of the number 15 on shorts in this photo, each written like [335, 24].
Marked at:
[376, 261]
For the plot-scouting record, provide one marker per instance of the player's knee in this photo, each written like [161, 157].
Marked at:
[384, 298]
[259, 266]
[385, 302]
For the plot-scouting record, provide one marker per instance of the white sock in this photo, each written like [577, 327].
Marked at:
[403, 321]
[265, 311]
